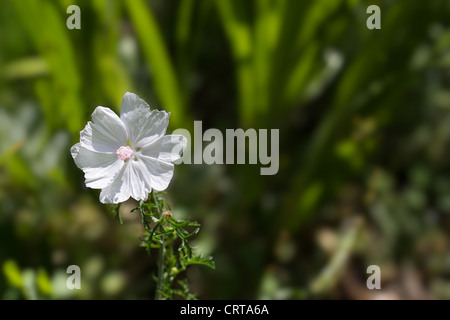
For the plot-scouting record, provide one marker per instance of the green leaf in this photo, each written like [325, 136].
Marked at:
[199, 260]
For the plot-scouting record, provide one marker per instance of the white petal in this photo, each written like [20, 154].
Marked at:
[144, 126]
[106, 134]
[169, 148]
[99, 168]
[127, 183]
[144, 176]
[131, 102]
[160, 172]
[119, 190]
[142, 188]
[75, 150]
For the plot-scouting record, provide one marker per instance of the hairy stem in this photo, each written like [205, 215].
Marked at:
[161, 252]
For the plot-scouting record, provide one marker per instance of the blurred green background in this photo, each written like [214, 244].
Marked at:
[364, 119]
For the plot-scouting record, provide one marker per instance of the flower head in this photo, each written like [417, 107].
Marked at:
[130, 155]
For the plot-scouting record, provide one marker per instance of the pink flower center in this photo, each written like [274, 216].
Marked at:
[124, 153]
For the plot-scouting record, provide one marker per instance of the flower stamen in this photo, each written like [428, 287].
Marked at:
[124, 153]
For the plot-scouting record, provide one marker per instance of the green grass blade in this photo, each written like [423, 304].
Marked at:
[239, 36]
[52, 41]
[157, 56]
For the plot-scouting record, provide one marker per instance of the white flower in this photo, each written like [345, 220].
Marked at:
[127, 156]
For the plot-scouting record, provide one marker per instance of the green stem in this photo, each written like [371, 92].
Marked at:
[161, 253]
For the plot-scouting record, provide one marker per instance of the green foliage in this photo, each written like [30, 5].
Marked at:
[364, 131]
[163, 232]
[114, 209]
[52, 42]
[153, 46]
[30, 284]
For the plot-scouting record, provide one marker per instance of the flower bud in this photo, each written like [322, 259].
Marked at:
[167, 214]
